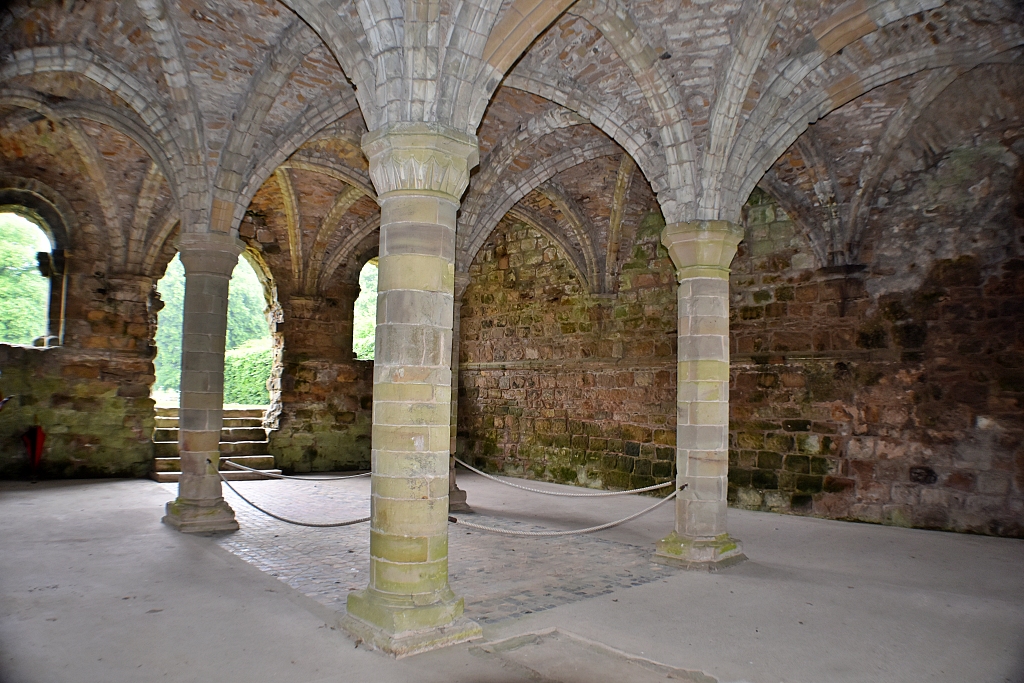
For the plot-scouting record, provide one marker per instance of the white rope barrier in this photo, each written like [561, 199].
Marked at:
[285, 476]
[600, 494]
[573, 532]
[316, 525]
[471, 525]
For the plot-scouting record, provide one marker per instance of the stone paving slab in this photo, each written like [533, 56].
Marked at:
[556, 655]
[500, 577]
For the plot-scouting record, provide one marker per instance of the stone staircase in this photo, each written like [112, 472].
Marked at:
[242, 440]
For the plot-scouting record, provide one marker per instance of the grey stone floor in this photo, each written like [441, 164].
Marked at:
[94, 589]
[325, 564]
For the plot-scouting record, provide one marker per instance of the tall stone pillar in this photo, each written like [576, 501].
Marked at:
[456, 497]
[420, 172]
[209, 260]
[702, 252]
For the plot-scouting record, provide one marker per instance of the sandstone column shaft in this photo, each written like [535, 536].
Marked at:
[209, 260]
[420, 172]
[702, 253]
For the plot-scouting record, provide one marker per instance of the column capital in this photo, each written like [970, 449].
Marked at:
[702, 248]
[214, 253]
[420, 158]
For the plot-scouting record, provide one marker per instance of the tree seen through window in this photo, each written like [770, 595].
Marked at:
[249, 347]
[364, 323]
[24, 291]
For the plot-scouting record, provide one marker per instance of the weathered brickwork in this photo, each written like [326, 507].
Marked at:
[902, 408]
[91, 396]
[325, 403]
[560, 384]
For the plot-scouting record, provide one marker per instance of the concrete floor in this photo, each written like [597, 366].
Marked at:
[94, 588]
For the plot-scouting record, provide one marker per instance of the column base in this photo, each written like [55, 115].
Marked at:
[697, 553]
[457, 501]
[407, 629]
[192, 517]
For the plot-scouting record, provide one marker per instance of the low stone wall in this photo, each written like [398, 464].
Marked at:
[325, 418]
[87, 404]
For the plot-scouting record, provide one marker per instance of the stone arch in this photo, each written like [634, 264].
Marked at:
[350, 47]
[470, 243]
[631, 138]
[679, 150]
[508, 39]
[275, 316]
[361, 246]
[819, 101]
[314, 119]
[758, 146]
[263, 91]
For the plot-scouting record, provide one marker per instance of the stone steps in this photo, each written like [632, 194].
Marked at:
[242, 440]
[228, 434]
[229, 422]
[250, 412]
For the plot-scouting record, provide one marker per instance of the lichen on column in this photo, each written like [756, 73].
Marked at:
[420, 172]
[702, 252]
[209, 260]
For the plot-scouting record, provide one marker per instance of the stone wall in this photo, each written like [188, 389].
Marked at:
[879, 394]
[90, 396]
[889, 390]
[326, 396]
[560, 384]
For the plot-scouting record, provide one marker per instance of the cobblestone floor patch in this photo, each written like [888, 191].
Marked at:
[500, 577]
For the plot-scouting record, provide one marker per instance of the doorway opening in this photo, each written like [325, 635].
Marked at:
[250, 354]
[364, 319]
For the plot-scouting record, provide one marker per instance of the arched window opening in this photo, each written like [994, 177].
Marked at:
[26, 267]
[249, 349]
[364, 323]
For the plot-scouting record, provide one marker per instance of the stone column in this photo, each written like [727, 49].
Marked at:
[456, 496]
[702, 252]
[420, 172]
[209, 260]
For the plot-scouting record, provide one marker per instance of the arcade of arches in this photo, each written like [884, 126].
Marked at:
[771, 249]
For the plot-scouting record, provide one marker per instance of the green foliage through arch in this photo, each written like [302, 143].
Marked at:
[249, 353]
[364, 323]
[24, 291]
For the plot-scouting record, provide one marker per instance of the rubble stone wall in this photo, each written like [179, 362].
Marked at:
[91, 395]
[560, 384]
[859, 393]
